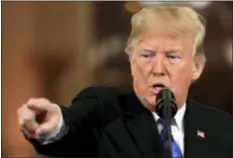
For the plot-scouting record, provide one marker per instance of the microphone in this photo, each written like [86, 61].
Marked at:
[166, 104]
[166, 108]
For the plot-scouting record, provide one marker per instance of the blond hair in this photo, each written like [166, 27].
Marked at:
[176, 20]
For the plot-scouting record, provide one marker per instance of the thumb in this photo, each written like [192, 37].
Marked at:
[45, 128]
[37, 107]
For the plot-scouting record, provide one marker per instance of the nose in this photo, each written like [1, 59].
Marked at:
[158, 68]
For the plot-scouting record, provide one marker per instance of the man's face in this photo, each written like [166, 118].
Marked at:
[162, 60]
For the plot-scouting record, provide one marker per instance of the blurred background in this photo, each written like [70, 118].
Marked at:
[55, 49]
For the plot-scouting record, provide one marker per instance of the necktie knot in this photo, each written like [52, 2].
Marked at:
[163, 123]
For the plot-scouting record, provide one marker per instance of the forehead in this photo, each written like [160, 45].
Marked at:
[165, 41]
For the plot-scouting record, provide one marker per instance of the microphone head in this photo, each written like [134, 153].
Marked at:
[165, 101]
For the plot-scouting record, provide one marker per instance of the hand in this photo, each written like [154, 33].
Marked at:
[38, 116]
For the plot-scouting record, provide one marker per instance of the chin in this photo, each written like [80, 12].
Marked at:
[150, 102]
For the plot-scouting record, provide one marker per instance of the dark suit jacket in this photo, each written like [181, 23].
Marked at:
[105, 123]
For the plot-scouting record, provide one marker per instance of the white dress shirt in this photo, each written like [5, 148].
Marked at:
[176, 129]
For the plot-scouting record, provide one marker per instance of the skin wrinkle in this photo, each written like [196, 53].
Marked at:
[156, 31]
[176, 75]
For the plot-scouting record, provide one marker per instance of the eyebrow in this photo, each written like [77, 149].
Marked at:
[168, 51]
[148, 50]
[171, 51]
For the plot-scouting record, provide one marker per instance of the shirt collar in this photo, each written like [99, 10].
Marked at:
[178, 116]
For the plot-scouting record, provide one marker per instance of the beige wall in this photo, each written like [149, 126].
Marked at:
[41, 41]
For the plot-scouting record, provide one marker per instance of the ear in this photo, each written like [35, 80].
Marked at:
[132, 64]
[198, 66]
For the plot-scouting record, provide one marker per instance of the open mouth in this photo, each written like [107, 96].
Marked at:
[157, 87]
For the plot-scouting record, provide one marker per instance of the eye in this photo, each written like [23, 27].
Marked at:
[173, 56]
[147, 54]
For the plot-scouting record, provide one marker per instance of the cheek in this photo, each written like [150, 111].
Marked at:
[181, 77]
[140, 71]
[182, 69]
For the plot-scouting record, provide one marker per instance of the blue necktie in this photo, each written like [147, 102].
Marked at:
[176, 151]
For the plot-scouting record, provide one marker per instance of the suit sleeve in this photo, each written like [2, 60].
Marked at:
[87, 112]
[230, 149]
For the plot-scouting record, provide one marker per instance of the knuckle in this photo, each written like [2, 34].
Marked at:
[28, 127]
[31, 101]
[38, 102]
[20, 122]
[55, 106]
[19, 111]
[22, 107]
[44, 101]
[27, 119]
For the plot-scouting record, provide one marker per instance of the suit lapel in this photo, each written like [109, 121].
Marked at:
[144, 133]
[195, 134]
[142, 127]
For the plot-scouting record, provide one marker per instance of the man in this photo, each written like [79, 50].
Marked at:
[165, 50]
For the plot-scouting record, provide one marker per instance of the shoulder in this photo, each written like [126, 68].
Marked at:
[216, 113]
[212, 116]
[218, 125]
[99, 92]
